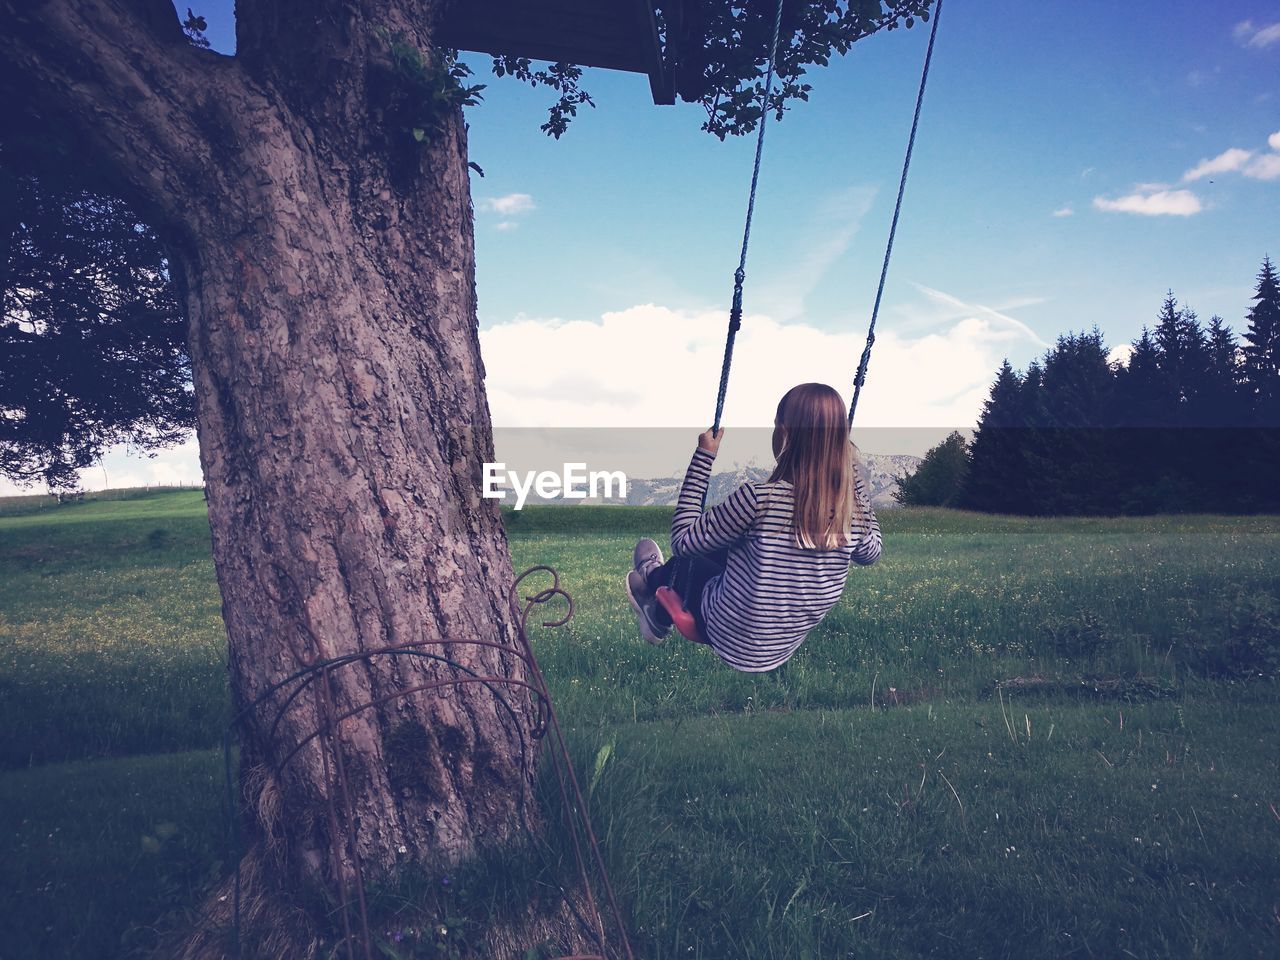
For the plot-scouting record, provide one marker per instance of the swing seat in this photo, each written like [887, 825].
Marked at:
[681, 618]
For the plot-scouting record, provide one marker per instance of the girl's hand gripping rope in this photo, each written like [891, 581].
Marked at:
[710, 440]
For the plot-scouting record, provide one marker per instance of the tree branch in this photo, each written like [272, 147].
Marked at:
[115, 85]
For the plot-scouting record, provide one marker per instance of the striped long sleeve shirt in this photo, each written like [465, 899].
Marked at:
[772, 592]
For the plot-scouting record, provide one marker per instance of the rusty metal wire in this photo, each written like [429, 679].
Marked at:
[349, 888]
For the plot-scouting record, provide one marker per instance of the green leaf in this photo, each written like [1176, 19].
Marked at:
[602, 758]
[419, 134]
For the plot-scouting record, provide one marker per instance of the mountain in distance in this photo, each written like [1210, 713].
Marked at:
[880, 473]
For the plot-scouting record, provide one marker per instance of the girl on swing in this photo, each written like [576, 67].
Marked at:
[760, 570]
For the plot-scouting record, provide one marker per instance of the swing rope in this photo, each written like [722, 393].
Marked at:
[861, 376]
[740, 275]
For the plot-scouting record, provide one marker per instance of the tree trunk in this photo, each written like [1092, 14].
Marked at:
[327, 263]
[342, 423]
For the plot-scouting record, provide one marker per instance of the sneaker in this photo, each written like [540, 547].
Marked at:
[648, 613]
[646, 558]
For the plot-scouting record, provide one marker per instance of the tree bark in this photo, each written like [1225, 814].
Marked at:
[327, 264]
[342, 421]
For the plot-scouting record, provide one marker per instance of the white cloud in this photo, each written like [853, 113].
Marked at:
[654, 366]
[650, 365]
[1249, 34]
[939, 310]
[1063, 212]
[1250, 163]
[1178, 203]
[506, 225]
[1005, 327]
[1265, 167]
[513, 204]
[1232, 159]
[1120, 354]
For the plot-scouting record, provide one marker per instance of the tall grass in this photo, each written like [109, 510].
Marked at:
[797, 814]
[111, 639]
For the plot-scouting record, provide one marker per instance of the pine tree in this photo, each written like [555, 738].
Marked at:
[1193, 371]
[1078, 382]
[1160, 457]
[939, 479]
[1216, 411]
[1220, 399]
[1190, 422]
[1034, 455]
[1182, 359]
[995, 459]
[1260, 449]
[1141, 408]
[1138, 385]
[1262, 351]
[1072, 459]
[1165, 335]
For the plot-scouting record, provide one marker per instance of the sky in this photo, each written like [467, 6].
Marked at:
[1075, 162]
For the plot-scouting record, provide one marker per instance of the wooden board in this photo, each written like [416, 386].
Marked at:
[614, 34]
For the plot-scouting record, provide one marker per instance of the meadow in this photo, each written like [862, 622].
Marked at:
[879, 796]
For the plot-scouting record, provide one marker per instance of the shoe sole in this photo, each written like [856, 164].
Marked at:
[646, 630]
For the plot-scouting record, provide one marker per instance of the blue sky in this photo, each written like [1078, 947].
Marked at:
[1054, 137]
[1054, 187]
[1032, 109]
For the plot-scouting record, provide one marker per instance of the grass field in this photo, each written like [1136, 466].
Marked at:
[744, 816]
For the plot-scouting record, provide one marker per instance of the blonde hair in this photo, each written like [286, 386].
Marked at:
[811, 442]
